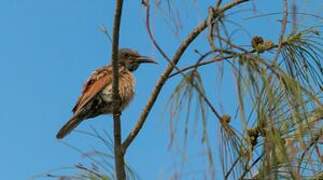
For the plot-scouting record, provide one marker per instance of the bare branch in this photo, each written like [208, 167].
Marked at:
[118, 151]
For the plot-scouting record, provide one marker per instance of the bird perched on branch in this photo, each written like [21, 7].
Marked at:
[96, 97]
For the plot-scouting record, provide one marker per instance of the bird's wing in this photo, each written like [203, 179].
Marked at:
[97, 81]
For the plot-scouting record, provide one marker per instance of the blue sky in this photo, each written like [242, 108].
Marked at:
[48, 49]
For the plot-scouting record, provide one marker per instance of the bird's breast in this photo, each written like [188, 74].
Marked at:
[126, 91]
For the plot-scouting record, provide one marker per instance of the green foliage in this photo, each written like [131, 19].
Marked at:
[280, 136]
[285, 104]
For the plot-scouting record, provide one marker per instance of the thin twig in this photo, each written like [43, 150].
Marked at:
[314, 140]
[249, 168]
[160, 83]
[227, 174]
[105, 31]
[227, 41]
[218, 3]
[283, 30]
[200, 63]
[151, 36]
[118, 151]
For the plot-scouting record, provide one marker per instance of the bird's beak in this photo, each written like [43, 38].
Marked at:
[145, 59]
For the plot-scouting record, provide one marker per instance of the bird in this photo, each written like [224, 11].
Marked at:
[96, 95]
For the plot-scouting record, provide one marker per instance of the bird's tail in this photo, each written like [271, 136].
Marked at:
[69, 126]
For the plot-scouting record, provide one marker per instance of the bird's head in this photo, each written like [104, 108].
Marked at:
[132, 59]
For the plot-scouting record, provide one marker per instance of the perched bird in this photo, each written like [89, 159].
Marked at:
[96, 97]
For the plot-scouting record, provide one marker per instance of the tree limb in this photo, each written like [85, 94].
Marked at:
[118, 151]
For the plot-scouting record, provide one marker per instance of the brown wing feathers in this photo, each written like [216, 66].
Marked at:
[98, 80]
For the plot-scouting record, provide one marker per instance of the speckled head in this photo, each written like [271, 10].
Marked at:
[131, 59]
